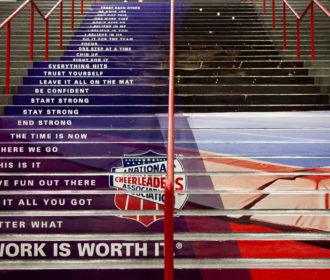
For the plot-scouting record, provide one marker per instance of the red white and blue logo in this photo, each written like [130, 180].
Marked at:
[140, 175]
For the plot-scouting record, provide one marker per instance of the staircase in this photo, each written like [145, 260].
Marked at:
[252, 148]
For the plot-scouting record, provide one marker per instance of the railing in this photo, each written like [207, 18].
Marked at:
[298, 19]
[34, 6]
[7, 23]
[169, 189]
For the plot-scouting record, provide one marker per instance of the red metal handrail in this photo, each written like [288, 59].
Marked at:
[169, 189]
[72, 14]
[7, 23]
[34, 6]
[300, 18]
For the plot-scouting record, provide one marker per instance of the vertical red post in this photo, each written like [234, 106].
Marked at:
[298, 39]
[312, 31]
[46, 40]
[284, 26]
[264, 7]
[82, 7]
[273, 14]
[31, 31]
[169, 231]
[61, 26]
[72, 15]
[169, 190]
[7, 90]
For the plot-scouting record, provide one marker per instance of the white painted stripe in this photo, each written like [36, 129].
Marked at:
[191, 236]
[213, 213]
[159, 264]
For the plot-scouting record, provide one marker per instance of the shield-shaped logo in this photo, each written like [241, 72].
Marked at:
[141, 176]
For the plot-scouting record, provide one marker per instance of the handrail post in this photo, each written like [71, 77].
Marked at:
[31, 31]
[264, 7]
[61, 26]
[33, 7]
[312, 31]
[298, 39]
[169, 232]
[72, 15]
[46, 40]
[82, 7]
[284, 26]
[7, 90]
[169, 189]
[273, 14]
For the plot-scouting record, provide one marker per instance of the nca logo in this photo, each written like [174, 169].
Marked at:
[145, 185]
